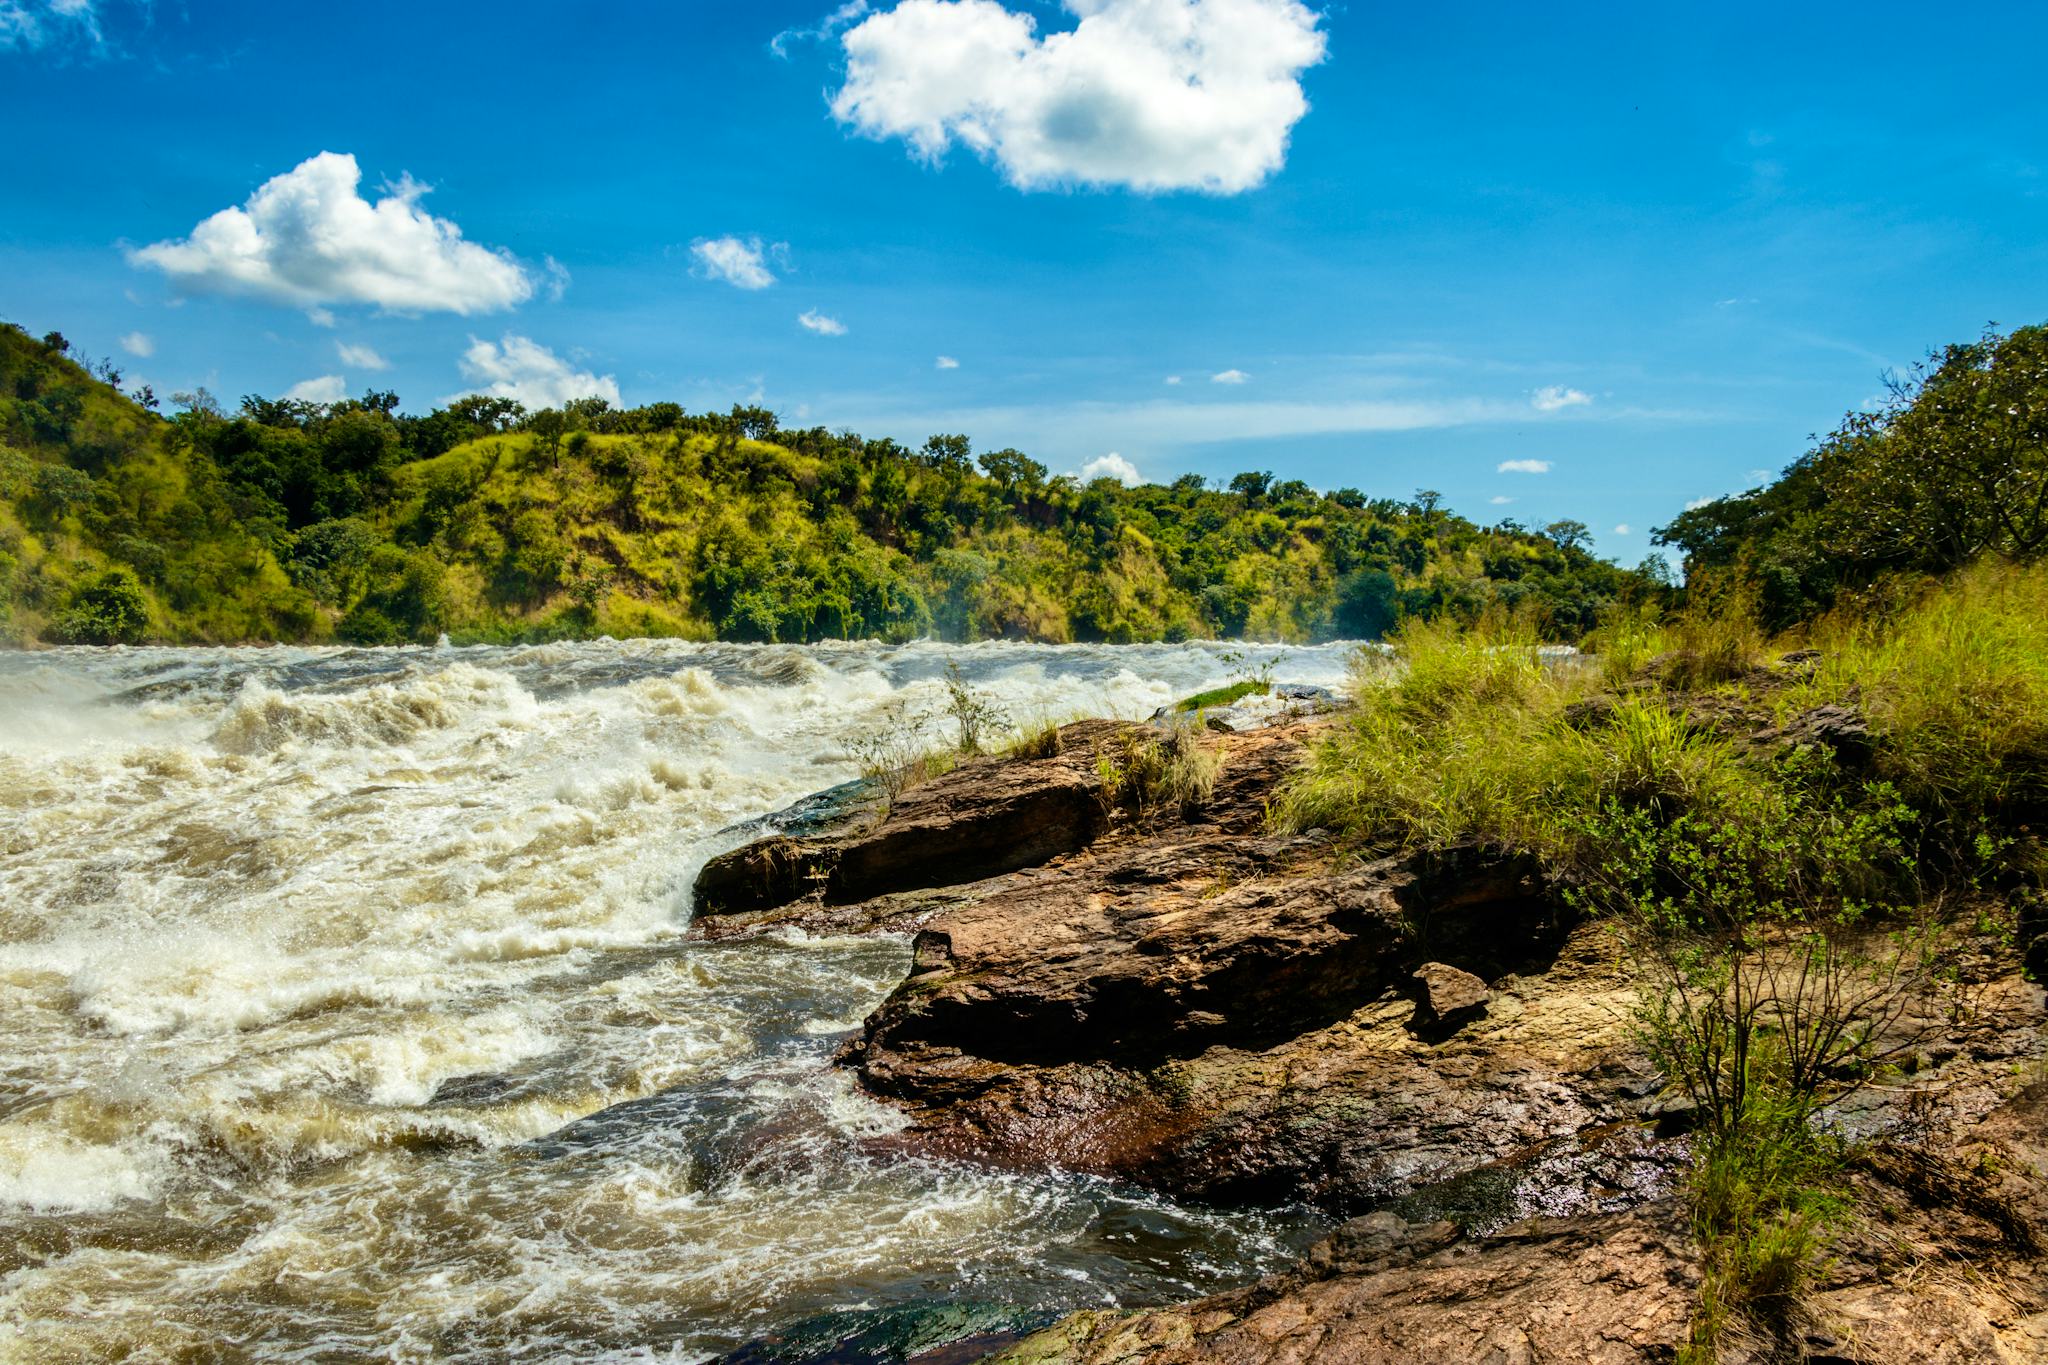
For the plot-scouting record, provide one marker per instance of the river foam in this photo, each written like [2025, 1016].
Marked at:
[349, 1009]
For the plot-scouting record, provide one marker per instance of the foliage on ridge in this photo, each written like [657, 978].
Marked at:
[1950, 466]
[288, 520]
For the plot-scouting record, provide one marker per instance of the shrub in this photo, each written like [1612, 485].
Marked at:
[112, 609]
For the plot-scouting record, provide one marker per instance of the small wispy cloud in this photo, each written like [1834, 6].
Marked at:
[946, 362]
[815, 321]
[1623, 530]
[360, 357]
[1522, 467]
[1500, 500]
[320, 317]
[1173, 379]
[828, 27]
[1556, 397]
[740, 262]
[139, 344]
[1111, 466]
[328, 388]
[1229, 377]
[1695, 504]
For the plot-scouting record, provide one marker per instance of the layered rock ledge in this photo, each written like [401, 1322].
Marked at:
[1184, 1000]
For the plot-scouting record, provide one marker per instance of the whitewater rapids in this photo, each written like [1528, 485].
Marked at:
[347, 1010]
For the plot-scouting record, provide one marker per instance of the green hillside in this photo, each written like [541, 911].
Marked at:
[293, 521]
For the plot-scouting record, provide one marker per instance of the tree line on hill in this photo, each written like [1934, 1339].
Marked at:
[297, 521]
[1951, 466]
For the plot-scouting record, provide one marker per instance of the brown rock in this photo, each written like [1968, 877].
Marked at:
[1379, 1291]
[1216, 1012]
[980, 820]
[1448, 992]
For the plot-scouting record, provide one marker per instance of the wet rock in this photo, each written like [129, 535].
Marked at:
[928, 1332]
[1449, 993]
[1380, 1290]
[834, 811]
[984, 818]
[1281, 704]
[763, 875]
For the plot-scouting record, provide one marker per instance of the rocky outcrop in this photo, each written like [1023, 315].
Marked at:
[985, 817]
[1183, 999]
[1202, 1007]
[1382, 1291]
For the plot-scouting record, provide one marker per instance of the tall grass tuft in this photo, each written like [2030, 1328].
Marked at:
[1956, 683]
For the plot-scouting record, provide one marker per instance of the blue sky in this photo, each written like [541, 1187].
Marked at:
[1634, 256]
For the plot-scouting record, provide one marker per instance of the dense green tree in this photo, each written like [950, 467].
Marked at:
[112, 609]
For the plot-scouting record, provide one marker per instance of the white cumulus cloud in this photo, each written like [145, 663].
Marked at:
[1229, 377]
[360, 357]
[308, 237]
[1522, 467]
[946, 362]
[1173, 379]
[1500, 500]
[815, 321]
[1622, 529]
[139, 344]
[328, 388]
[740, 262]
[1554, 397]
[1111, 466]
[525, 371]
[1695, 504]
[1149, 94]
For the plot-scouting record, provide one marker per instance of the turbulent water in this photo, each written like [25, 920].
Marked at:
[347, 1010]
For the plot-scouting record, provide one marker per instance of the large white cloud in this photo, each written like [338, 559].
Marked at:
[522, 369]
[309, 237]
[1150, 94]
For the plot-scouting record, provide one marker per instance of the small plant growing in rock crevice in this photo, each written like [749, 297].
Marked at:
[897, 755]
[1148, 774]
[975, 713]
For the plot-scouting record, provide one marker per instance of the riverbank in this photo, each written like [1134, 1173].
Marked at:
[1442, 1043]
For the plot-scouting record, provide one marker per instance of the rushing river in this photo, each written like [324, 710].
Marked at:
[347, 1011]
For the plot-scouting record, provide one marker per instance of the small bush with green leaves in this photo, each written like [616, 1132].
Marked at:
[111, 609]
